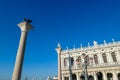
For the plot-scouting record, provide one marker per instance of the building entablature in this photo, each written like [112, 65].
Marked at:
[99, 48]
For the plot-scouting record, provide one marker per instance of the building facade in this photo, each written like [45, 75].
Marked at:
[103, 62]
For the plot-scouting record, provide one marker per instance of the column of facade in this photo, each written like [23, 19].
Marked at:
[78, 76]
[62, 63]
[109, 58]
[114, 75]
[100, 58]
[95, 76]
[94, 60]
[70, 73]
[70, 76]
[117, 56]
[104, 75]
[62, 76]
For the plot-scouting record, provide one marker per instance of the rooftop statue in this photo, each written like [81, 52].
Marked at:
[28, 21]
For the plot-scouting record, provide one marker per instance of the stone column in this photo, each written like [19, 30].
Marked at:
[117, 56]
[78, 76]
[100, 58]
[62, 64]
[62, 76]
[25, 27]
[104, 75]
[59, 49]
[95, 76]
[69, 68]
[114, 75]
[109, 58]
[70, 76]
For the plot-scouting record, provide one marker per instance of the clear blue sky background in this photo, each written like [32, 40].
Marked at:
[69, 22]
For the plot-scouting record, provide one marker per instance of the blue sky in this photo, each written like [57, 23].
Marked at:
[69, 22]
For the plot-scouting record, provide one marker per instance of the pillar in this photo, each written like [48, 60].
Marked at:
[117, 56]
[25, 27]
[70, 76]
[108, 56]
[95, 76]
[100, 58]
[104, 75]
[114, 75]
[59, 49]
[62, 76]
[78, 76]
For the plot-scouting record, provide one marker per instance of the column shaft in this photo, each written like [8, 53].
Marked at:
[78, 76]
[117, 56]
[70, 76]
[62, 76]
[59, 66]
[100, 59]
[114, 76]
[104, 75]
[95, 76]
[20, 57]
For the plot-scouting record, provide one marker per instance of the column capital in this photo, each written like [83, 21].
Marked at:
[25, 26]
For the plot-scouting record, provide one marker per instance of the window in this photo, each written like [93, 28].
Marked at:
[104, 58]
[96, 59]
[114, 56]
[84, 54]
[72, 61]
[65, 62]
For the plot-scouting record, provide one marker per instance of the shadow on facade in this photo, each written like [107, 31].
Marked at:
[74, 77]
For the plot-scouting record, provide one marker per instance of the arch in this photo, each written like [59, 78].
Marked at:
[82, 77]
[90, 77]
[109, 76]
[113, 57]
[72, 61]
[104, 58]
[65, 62]
[74, 77]
[95, 59]
[118, 76]
[99, 76]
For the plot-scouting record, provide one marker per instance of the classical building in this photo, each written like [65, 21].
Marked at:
[103, 62]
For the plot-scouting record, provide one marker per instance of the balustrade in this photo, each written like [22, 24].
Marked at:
[93, 66]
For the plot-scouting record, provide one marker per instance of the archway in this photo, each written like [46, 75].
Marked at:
[90, 77]
[99, 76]
[109, 76]
[82, 77]
[74, 77]
[118, 76]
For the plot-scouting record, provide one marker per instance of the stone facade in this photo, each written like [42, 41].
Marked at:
[103, 62]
